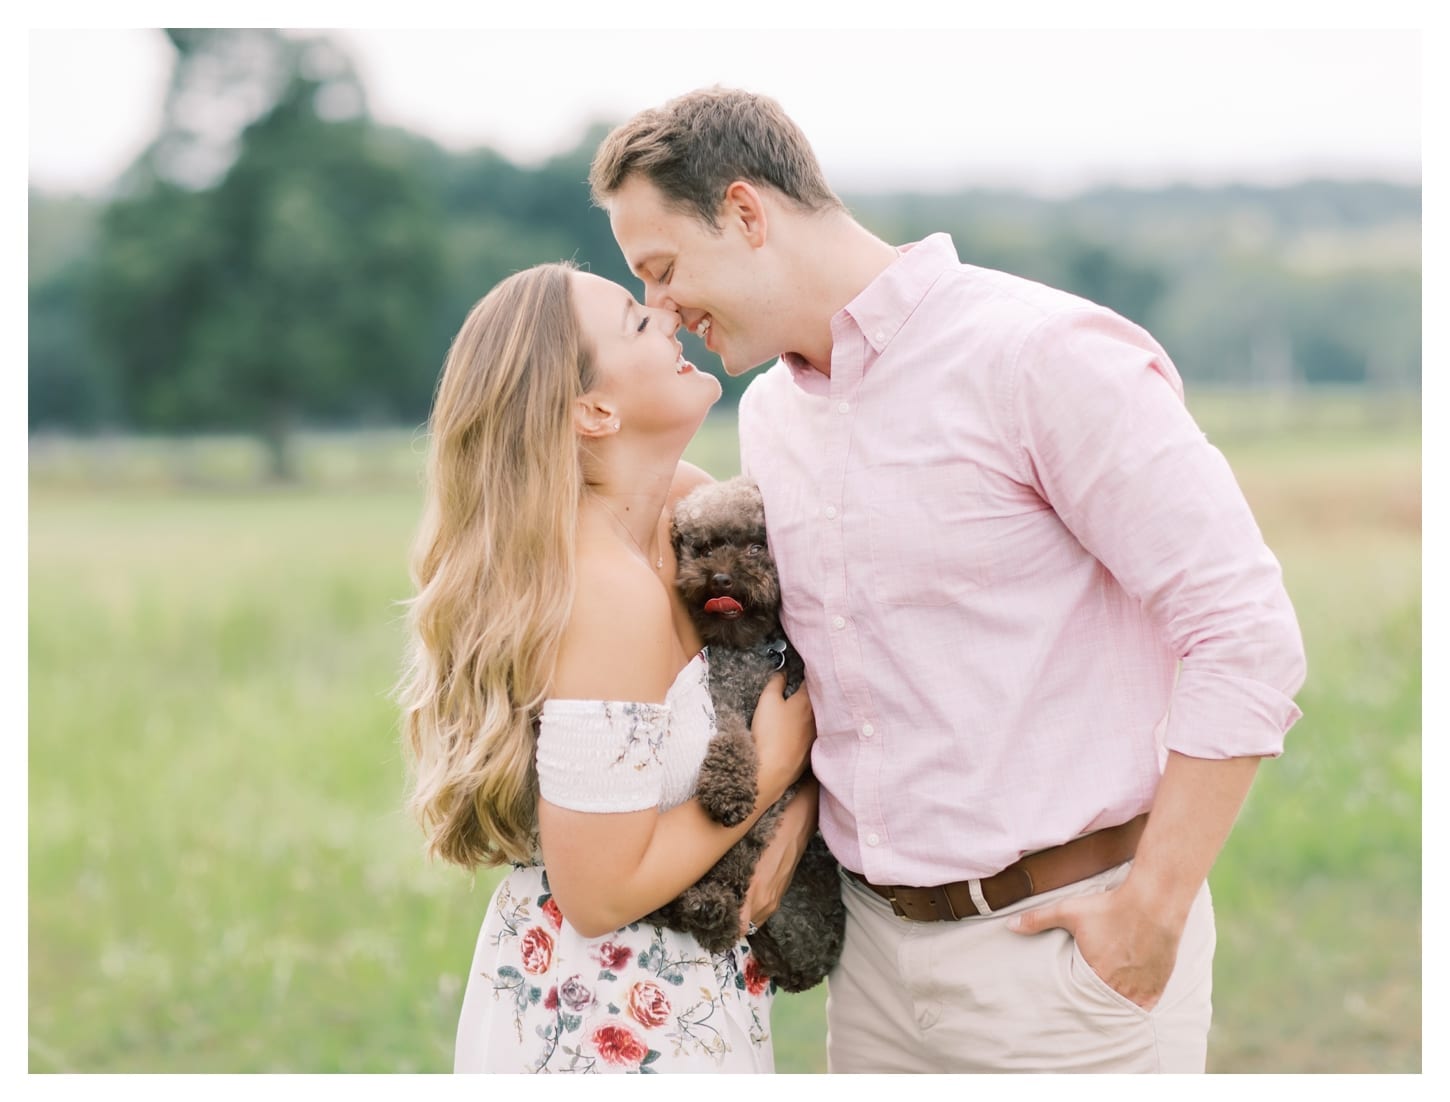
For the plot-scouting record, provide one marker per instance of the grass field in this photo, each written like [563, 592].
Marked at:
[221, 879]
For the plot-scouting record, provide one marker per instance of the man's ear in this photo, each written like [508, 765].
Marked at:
[744, 208]
[595, 416]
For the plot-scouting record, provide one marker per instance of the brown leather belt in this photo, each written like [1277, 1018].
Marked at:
[1038, 872]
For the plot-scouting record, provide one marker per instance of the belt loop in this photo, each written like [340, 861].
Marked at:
[975, 887]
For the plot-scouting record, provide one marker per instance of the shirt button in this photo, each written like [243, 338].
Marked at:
[844, 407]
[880, 336]
[867, 730]
[873, 839]
[838, 623]
[830, 512]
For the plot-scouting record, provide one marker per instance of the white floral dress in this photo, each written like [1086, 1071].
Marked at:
[543, 998]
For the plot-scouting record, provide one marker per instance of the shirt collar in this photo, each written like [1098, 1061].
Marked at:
[887, 301]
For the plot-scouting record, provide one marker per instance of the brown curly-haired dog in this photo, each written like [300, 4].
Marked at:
[728, 581]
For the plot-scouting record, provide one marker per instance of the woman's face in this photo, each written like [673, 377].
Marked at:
[640, 367]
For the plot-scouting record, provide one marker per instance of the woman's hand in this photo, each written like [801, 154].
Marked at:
[784, 729]
[778, 861]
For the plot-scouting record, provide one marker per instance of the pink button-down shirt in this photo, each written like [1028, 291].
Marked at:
[1018, 572]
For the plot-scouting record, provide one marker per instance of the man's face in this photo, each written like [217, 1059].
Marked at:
[713, 280]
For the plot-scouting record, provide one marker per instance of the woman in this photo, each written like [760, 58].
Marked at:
[556, 701]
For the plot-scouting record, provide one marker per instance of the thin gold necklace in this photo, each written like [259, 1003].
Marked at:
[659, 557]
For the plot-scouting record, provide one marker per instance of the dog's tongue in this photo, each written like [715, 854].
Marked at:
[723, 604]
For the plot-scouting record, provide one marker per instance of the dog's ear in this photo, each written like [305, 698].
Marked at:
[685, 520]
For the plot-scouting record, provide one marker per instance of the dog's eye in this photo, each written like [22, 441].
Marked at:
[754, 549]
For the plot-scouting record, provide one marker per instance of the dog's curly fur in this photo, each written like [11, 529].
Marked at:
[728, 582]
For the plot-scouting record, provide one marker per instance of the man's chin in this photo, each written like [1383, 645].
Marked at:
[735, 368]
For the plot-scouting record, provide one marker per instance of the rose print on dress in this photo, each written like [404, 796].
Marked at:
[574, 995]
[756, 980]
[648, 1004]
[537, 951]
[612, 957]
[617, 1045]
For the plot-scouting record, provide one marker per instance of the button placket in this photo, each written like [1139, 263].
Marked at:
[849, 358]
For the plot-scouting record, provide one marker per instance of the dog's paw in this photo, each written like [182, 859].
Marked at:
[726, 788]
[714, 919]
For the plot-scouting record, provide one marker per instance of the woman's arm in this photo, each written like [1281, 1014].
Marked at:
[608, 870]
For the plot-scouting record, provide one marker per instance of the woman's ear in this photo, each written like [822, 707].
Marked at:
[744, 208]
[595, 417]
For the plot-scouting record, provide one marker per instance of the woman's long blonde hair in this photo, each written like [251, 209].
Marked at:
[493, 566]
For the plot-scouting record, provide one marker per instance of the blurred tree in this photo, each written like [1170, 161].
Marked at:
[301, 283]
[71, 385]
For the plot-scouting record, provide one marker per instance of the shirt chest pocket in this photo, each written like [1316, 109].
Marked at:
[926, 529]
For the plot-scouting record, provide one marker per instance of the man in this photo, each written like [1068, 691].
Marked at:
[1031, 599]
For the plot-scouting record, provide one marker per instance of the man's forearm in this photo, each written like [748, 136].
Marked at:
[783, 853]
[1197, 802]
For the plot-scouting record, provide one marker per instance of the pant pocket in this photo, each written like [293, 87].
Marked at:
[1086, 981]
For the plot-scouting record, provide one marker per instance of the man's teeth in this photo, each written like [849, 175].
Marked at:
[702, 328]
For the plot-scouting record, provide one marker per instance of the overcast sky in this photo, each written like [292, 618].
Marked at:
[1052, 110]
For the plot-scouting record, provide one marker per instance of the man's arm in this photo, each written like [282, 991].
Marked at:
[1105, 435]
[780, 857]
[1129, 935]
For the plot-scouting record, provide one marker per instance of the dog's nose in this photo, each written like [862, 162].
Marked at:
[722, 581]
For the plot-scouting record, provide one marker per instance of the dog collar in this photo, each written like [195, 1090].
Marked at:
[774, 650]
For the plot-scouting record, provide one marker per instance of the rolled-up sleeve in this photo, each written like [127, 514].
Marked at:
[1105, 438]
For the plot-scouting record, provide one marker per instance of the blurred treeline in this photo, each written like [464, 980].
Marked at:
[276, 259]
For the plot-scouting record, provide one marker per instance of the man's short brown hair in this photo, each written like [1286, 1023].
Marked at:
[698, 144]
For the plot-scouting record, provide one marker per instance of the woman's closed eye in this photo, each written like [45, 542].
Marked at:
[640, 328]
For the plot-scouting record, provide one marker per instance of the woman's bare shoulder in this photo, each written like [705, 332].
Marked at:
[619, 641]
[687, 477]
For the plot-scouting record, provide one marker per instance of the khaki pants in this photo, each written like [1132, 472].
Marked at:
[972, 996]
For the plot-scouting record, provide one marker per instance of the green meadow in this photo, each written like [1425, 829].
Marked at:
[221, 878]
